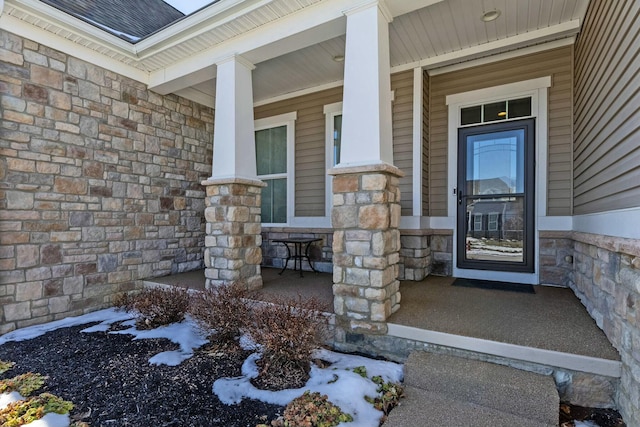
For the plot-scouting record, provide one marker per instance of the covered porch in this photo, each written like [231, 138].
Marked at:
[548, 331]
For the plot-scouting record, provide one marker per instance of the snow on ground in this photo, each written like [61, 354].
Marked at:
[344, 387]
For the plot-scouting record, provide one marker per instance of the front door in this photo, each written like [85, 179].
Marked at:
[495, 215]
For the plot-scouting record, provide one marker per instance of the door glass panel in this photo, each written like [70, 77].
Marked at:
[495, 163]
[495, 229]
[494, 189]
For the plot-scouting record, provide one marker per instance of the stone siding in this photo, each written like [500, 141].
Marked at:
[556, 258]
[415, 255]
[100, 184]
[607, 281]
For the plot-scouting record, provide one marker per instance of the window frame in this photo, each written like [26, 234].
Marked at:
[288, 120]
[330, 112]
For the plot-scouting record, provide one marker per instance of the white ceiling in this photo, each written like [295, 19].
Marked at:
[421, 37]
[293, 42]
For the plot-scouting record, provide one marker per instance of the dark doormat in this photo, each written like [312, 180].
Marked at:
[498, 286]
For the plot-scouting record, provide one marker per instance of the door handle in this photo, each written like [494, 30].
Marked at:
[459, 196]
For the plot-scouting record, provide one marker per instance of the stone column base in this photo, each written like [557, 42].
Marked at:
[366, 244]
[233, 239]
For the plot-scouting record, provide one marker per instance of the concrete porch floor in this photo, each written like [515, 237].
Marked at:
[546, 324]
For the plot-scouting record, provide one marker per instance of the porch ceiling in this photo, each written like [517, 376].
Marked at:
[293, 42]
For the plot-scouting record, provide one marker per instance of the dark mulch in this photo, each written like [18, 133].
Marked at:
[111, 383]
[602, 417]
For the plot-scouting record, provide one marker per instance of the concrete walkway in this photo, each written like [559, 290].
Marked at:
[443, 390]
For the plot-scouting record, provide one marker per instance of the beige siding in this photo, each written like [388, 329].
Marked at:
[558, 64]
[607, 109]
[310, 144]
[402, 85]
[310, 170]
[425, 143]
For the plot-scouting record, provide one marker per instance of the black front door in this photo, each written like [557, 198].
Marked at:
[495, 216]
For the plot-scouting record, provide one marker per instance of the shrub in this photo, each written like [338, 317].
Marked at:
[5, 366]
[311, 410]
[24, 384]
[156, 306]
[222, 310]
[389, 394]
[25, 411]
[288, 330]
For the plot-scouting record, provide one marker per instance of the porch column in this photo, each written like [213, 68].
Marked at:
[366, 197]
[233, 239]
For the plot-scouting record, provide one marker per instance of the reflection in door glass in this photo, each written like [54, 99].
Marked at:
[495, 206]
[495, 229]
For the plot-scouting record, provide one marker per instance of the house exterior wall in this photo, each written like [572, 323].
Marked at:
[607, 178]
[310, 142]
[426, 108]
[100, 184]
[310, 145]
[555, 62]
[607, 113]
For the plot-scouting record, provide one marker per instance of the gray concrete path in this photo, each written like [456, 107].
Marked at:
[447, 390]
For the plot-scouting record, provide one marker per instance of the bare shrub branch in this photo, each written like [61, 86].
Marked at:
[288, 330]
[156, 306]
[222, 310]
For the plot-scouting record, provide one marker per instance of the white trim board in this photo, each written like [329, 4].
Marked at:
[537, 89]
[620, 223]
[574, 362]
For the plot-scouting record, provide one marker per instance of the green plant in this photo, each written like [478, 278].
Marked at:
[361, 370]
[389, 394]
[288, 331]
[155, 306]
[311, 410]
[223, 310]
[24, 384]
[23, 412]
[5, 366]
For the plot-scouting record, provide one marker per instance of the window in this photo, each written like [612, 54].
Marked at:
[333, 128]
[493, 222]
[477, 222]
[495, 111]
[274, 164]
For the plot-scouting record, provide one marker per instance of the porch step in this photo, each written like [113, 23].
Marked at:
[449, 390]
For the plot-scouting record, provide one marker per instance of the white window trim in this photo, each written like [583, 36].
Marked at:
[537, 89]
[330, 112]
[288, 120]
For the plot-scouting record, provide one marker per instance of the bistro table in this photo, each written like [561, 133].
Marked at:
[298, 253]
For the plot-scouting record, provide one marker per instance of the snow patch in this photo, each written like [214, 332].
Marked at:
[343, 387]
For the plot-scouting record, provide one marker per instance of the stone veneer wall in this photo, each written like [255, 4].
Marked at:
[607, 281]
[100, 184]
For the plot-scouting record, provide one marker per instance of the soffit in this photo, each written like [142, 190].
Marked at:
[441, 33]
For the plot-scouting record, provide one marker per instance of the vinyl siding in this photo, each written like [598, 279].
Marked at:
[402, 85]
[425, 143]
[558, 64]
[310, 146]
[310, 169]
[607, 109]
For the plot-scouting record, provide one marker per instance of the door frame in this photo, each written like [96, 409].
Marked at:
[528, 125]
[537, 89]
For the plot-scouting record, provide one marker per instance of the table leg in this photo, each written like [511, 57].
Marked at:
[287, 260]
[306, 254]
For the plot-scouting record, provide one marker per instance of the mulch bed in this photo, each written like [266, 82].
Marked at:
[109, 379]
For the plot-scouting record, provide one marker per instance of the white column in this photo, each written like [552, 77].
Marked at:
[366, 124]
[234, 148]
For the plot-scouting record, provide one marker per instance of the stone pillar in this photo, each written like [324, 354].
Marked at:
[233, 239]
[233, 235]
[366, 241]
